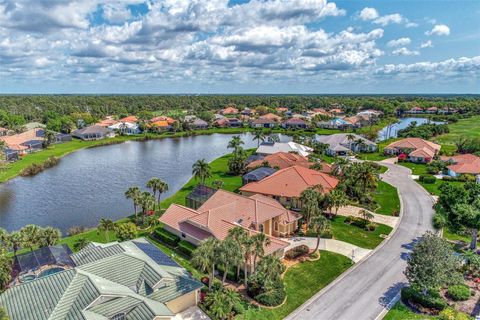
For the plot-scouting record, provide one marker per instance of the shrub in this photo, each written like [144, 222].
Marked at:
[166, 237]
[459, 292]
[431, 300]
[271, 298]
[126, 231]
[427, 179]
[296, 251]
[452, 314]
[75, 230]
[327, 234]
[371, 226]
[186, 247]
[238, 308]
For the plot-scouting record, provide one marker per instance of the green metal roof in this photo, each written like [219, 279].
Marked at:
[95, 253]
[181, 286]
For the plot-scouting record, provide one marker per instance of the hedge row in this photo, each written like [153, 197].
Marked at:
[431, 300]
[167, 237]
[296, 252]
[427, 179]
[186, 247]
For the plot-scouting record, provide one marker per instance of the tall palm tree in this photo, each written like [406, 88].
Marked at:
[260, 241]
[338, 199]
[235, 143]
[201, 170]
[205, 257]
[310, 199]
[319, 224]
[238, 234]
[230, 254]
[15, 241]
[259, 136]
[147, 202]
[30, 236]
[81, 243]
[49, 137]
[106, 225]
[134, 194]
[49, 236]
[248, 248]
[366, 215]
[157, 185]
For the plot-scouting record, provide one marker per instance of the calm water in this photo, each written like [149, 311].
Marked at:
[392, 130]
[89, 184]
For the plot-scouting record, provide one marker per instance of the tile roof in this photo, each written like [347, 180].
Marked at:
[263, 121]
[160, 124]
[17, 141]
[271, 116]
[464, 163]
[230, 110]
[132, 119]
[163, 118]
[107, 122]
[421, 148]
[290, 182]
[342, 139]
[295, 121]
[92, 130]
[282, 160]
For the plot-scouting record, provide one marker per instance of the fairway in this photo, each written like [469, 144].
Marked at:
[464, 128]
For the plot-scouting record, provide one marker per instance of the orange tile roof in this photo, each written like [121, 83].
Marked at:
[106, 123]
[163, 118]
[464, 163]
[336, 110]
[160, 124]
[15, 141]
[282, 160]
[131, 119]
[230, 110]
[422, 148]
[271, 116]
[290, 182]
[282, 109]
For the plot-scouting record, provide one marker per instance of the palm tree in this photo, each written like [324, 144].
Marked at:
[310, 199]
[134, 194]
[106, 225]
[366, 215]
[147, 202]
[248, 249]
[338, 199]
[317, 166]
[201, 170]
[238, 234]
[273, 138]
[235, 143]
[4, 238]
[259, 136]
[351, 137]
[15, 241]
[205, 257]
[157, 185]
[217, 184]
[30, 236]
[49, 138]
[49, 236]
[229, 254]
[319, 224]
[5, 269]
[81, 243]
[260, 241]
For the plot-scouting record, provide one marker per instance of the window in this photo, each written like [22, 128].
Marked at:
[261, 228]
[184, 235]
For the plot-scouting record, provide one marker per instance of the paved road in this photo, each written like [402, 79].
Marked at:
[363, 292]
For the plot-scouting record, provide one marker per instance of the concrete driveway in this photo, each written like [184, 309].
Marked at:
[367, 288]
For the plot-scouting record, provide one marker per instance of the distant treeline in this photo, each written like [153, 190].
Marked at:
[34, 107]
[424, 131]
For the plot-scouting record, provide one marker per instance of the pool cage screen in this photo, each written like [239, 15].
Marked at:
[198, 196]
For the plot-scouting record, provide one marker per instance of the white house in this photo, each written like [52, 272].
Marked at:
[267, 148]
[125, 127]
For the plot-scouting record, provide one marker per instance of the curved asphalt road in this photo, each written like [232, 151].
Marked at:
[365, 290]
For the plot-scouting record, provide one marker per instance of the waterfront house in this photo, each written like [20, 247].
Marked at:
[295, 123]
[199, 124]
[25, 142]
[286, 185]
[225, 210]
[127, 280]
[161, 125]
[107, 122]
[94, 132]
[267, 148]
[169, 120]
[228, 123]
[335, 123]
[282, 160]
[462, 164]
[271, 116]
[263, 123]
[257, 174]
[416, 149]
[342, 144]
[432, 110]
[127, 128]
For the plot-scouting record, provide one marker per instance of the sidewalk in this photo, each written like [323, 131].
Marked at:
[377, 218]
[332, 245]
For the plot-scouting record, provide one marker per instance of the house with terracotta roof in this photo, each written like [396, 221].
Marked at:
[131, 119]
[169, 120]
[25, 142]
[225, 210]
[228, 123]
[336, 111]
[160, 125]
[286, 185]
[272, 116]
[263, 123]
[462, 164]
[229, 111]
[281, 109]
[432, 110]
[416, 149]
[416, 110]
[282, 160]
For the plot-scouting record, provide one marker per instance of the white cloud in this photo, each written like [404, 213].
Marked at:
[426, 44]
[398, 42]
[116, 13]
[439, 30]
[444, 68]
[405, 52]
[369, 14]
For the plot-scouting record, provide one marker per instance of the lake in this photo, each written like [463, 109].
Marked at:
[391, 131]
[89, 184]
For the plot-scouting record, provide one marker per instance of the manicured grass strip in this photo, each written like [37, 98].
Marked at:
[302, 281]
[387, 199]
[464, 128]
[417, 168]
[433, 188]
[447, 234]
[400, 312]
[358, 236]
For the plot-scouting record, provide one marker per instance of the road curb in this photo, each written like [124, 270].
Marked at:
[353, 267]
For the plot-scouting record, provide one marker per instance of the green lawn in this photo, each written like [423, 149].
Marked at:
[417, 168]
[302, 281]
[464, 128]
[447, 234]
[387, 199]
[432, 188]
[377, 156]
[400, 312]
[357, 236]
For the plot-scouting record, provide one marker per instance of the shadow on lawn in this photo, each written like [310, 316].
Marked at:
[388, 296]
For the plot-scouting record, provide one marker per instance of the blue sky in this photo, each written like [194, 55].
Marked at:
[256, 46]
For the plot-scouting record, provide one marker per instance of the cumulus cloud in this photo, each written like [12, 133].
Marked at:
[460, 65]
[399, 42]
[426, 44]
[372, 14]
[405, 52]
[439, 30]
